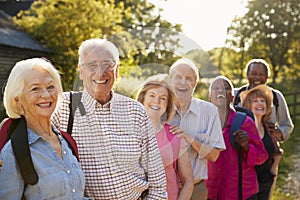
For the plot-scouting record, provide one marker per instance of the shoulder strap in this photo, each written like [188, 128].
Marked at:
[236, 124]
[71, 143]
[237, 98]
[275, 100]
[75, 102]
[4, 128]
[19, 141]
[7, 127]
[247, 111]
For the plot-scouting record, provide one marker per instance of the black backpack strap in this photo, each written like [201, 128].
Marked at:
[19, 141]
[239, 149]
[25, 186]
[237, 98]
[247, 111]
[75, 102]
[13, 126]
[236, 124]
[275, 100]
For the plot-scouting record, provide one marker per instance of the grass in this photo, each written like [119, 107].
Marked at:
[291, 148]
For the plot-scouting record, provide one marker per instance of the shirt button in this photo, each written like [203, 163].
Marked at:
[73, 190]
[65, 152]
[68, 171]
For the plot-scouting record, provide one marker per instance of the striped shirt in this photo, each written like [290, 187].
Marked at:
[117, 148]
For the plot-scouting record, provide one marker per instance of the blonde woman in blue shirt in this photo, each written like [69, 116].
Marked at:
[32, 91]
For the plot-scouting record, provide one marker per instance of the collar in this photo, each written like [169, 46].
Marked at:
[33, 137]
[193, 108]
[90, 103]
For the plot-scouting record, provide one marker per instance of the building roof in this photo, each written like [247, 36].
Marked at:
[12, 37]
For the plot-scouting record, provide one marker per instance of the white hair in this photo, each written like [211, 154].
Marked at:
[186, 62]
[97, 44]
[16, 82]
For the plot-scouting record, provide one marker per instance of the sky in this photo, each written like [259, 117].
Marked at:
[203, 21]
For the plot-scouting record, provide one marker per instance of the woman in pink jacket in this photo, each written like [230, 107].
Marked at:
[223, 175]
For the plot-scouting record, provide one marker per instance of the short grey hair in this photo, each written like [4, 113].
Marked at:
[97, 44]
[16, 82]
[220, 77]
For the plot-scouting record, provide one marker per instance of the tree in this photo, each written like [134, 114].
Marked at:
[154, 38]
[62, 25]
[269, 30]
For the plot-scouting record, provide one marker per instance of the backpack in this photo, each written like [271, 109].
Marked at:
[237, 98]
[237, 122]
[11, 129]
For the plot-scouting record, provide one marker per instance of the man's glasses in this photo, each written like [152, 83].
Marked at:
[106, 65]
[223, 88]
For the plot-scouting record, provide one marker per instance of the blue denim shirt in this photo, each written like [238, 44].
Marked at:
[58, 178]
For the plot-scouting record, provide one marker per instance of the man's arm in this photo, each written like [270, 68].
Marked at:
[215, 144]
[285, 124]
[206, 151]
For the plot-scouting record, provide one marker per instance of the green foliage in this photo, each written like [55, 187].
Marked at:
[269, 30]
[62, 25]
[134, 26]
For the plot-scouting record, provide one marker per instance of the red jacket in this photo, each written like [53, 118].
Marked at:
[222, 182]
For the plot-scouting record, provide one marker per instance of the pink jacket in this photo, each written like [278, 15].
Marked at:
[222, 182]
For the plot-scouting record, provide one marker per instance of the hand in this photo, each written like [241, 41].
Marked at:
[181, 133]
[274, 131]
[241, 137]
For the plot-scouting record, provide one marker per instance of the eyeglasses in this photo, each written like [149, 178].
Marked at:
[106, 65]
[226, 88]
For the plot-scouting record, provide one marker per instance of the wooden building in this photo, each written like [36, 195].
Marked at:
[15, 45]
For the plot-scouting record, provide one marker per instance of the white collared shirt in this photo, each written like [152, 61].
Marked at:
[201, 122]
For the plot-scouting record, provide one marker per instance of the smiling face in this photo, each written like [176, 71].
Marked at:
[257, 74]
[98, 83]
[259, 106]
[221, 93]
[183, 80]
[156, 102]
[39, 96]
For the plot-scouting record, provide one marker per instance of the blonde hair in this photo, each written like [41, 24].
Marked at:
[16, 82]
[159, 80]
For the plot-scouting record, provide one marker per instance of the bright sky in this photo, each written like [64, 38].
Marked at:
[203, 21]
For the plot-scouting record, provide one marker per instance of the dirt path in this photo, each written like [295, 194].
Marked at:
[292, 186]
